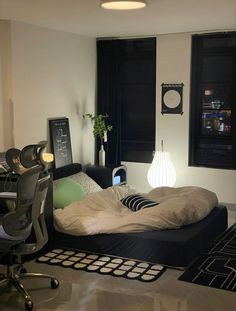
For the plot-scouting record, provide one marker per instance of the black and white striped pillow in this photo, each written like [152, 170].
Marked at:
[136, 202]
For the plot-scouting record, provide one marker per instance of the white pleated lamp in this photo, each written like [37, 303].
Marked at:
[161, 172]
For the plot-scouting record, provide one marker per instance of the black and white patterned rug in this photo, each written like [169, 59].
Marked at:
[217, 268]
[103, 264]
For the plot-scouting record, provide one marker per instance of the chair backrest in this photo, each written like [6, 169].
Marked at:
[38, 218]
[18, 223]
[30, 207]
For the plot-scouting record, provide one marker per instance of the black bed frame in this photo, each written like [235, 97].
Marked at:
[173, 248]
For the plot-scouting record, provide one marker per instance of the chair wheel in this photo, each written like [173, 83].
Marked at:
[29, 304]
[54, 283]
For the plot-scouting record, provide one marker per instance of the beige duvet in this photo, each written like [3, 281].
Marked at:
[102, 212]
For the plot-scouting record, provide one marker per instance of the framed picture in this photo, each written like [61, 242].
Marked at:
[60, 141]
[172, 98]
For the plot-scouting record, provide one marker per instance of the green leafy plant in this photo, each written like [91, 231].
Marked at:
[99, 125]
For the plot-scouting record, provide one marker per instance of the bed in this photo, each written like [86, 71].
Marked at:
[170, 247]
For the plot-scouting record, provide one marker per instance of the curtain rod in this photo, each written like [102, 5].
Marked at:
[215, 31]
[126, 37]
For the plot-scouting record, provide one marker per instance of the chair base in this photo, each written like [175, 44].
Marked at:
[15, 273]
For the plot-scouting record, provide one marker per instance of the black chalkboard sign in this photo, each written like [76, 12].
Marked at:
[60, 141]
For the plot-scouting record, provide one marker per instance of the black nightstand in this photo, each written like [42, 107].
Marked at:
[108, 176]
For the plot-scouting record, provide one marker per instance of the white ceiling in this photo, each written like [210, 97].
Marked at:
[85, 17]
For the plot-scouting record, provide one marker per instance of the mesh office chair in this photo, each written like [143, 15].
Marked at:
[16, 226]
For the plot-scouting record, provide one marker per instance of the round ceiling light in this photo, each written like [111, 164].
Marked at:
[123, 4]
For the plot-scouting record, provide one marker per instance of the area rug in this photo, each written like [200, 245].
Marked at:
[103, 264]
[217, 268]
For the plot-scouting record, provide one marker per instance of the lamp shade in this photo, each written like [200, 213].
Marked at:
[162, 171]
[123, 4]
[47, 157]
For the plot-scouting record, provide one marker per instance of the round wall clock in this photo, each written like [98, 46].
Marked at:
[172, 98]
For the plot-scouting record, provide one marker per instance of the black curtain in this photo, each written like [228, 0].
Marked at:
[108, 93]
[126, 84]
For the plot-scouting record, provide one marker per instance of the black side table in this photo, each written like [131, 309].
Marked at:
[108, 176]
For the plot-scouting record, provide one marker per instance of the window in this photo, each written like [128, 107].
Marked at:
[213, 101]
[126, 92]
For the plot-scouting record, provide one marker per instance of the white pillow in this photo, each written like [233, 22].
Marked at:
[87, 183]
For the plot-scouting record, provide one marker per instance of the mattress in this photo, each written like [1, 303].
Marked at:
[173, 248]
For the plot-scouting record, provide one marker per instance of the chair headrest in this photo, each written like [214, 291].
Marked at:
[13, 161]
[31, 155]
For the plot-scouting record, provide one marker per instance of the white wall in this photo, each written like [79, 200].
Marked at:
[173, 66]
[53, 76]
[6, 113]
[1, 95]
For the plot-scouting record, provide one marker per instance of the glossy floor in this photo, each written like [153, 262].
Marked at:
[83, 291]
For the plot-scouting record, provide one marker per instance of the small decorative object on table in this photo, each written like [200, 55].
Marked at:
[102, 156]
[100, 129]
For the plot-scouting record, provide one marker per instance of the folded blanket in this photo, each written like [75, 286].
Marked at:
[102, 212]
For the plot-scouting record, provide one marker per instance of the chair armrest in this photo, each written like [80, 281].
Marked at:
[8, 195]
[7, 202]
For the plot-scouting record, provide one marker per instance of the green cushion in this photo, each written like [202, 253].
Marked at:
[67, 191]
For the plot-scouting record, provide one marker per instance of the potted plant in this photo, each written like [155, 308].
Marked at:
[100, 129]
